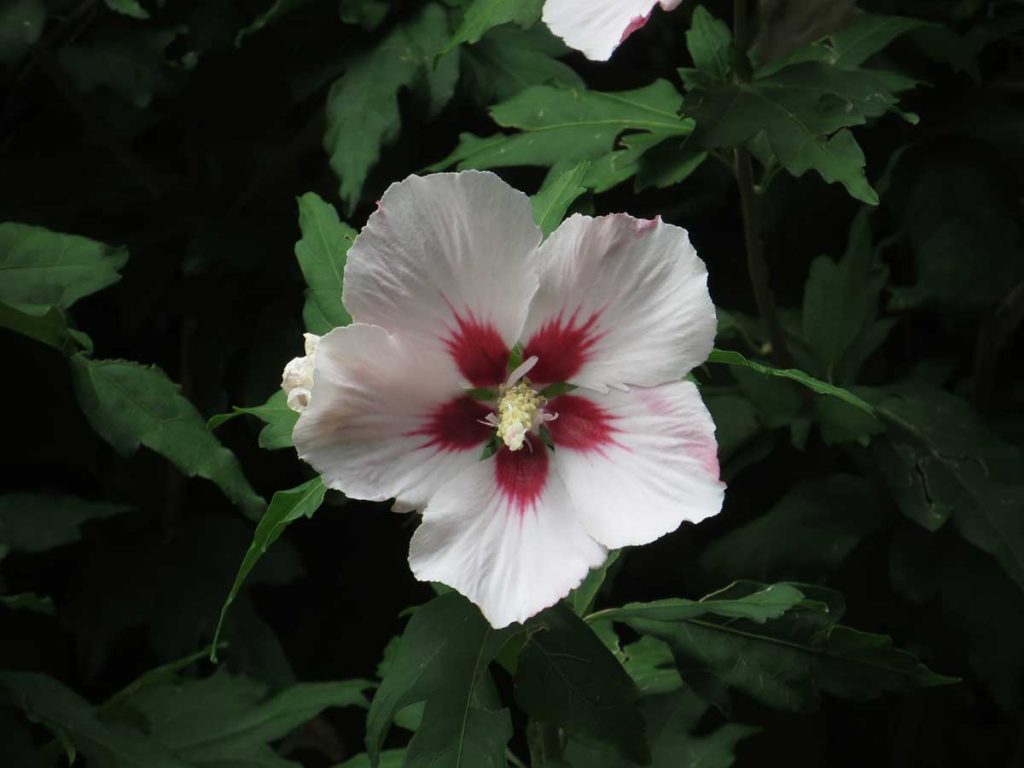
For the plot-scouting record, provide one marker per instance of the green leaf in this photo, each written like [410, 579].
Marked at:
[21, 24]
[229, 720]
[28, 601]
[758, 605]
[362, 106]
[582, 598]
[509, 60]
[131, 8]
[43, 268]
[943, 461]
[63, 711]
[651, 665]
[841, 304]
[804, 111]
[567, 677]
[483, 15]
[275, 414]
[321, 253]
[725, 357]
[559, 191]
[31, 522]
[708, 41]
[48, 325]
[19, 745]
[568, 126]
[442, 659]
[166, 673]
[131, 405]
[783, 661]
[285, 508]
[809, 532]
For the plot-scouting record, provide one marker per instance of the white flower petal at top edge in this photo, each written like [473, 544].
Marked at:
[598, 27]
[388, 419]
[622, 301]
[505, 534]
[637, 464]
[449, 260]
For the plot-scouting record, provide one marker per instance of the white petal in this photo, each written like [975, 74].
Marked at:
[372, 428]
[450, 261]
[513, 545]
[639, 463]
[622, 301]
[597, 27]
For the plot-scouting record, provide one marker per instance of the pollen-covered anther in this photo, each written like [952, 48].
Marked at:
[520, 410]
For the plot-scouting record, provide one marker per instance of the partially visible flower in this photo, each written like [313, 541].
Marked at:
[563, 359]
[297, 380]
[598, 27]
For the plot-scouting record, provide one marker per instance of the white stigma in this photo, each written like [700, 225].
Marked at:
[297, 379]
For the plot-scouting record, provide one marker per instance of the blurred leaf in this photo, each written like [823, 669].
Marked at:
[841, 303]
[943, 461]
[509, 60]
[60, 709]
[278, 9]
[804, 111]
[567, 678]
[174, 588]
[28, 601]
[366, 13]
[166, 673]
[483, 15]
[786, 26]
[285, 508]
[441, 659]
[130, 61]
[19, 748]
[228, 720]
[726, 357]
[809, 532]
[389, 758]
[21, 24]
[362, 106]
[708, 41]
[866, 35]
[31, 522]
[568, 126]
[43, 268]
[321, 253]
[131, 405]
[558, 193]
[275, 414]
[735, 422]
[131, 8]
[672, 725]
[781, 659]
[650, 663]
[963, 228]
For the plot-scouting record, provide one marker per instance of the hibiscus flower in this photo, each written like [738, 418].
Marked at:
[598, 27]
[526, 396]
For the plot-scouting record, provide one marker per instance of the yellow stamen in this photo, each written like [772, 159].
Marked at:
[518, 410]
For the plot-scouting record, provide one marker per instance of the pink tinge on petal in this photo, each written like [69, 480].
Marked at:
[479, 351]
[634, 24]
[522, 475]
[582, 425]
[698, 446]
[455, 425]
[561, 347]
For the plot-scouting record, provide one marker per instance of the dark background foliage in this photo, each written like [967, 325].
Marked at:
[170, 137]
